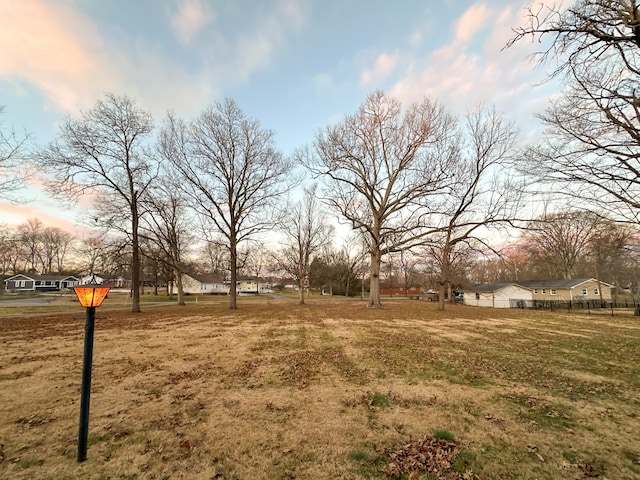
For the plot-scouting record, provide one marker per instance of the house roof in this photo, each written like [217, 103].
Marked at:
[43, 277]
[563, 283]
[206, 278]
[531, 284]
[495, 286]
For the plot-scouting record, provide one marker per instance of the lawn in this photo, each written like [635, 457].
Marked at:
[329, 390]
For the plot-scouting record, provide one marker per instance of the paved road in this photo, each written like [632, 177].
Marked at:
[31, 301]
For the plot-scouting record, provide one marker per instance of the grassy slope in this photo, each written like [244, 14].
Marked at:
[276, 390]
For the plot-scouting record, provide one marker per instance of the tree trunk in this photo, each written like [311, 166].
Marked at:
[374, 279]
[444, 274]
[301, 290]
[441, 291]
[233, 288]
[135, 270]
[179, 285]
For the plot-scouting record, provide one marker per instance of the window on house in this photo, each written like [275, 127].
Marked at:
[584, 291]
[596, 291]
[544, 290]
[477, 296]
[535, 290]
[553, 291]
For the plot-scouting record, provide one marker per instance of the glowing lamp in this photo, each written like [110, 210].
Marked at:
[90, 296]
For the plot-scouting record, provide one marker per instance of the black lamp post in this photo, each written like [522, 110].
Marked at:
[90, 296]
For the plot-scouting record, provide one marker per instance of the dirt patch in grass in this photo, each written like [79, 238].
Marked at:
[327, 390]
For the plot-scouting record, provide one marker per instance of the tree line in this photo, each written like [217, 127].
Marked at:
[410, 180]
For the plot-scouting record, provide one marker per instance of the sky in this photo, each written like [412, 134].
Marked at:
[294, 65]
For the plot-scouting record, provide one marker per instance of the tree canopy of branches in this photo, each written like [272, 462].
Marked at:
[167, 225]
[592, 146]
[382, 167]
[103, 150]
[232, 173]
[480, 197]
[11, 152]
[306, 232]
[557, 242]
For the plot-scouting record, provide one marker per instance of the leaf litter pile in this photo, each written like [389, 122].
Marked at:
[429, 455]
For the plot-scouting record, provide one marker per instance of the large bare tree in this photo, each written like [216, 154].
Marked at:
[383, 168]
[232, 173]
[592, 148]
[306, 231]
[103, 150]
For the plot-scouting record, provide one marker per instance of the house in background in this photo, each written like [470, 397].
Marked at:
[497, 295]
[204, 284]
[526, 292]
[576, 289]
[39, 283]
[249, 285]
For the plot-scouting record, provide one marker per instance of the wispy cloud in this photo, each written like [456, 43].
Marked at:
[41, 45]
[471, 22]
[473, 68]
[256, 49]
[383, 67]
[191, 17]
[62, 53]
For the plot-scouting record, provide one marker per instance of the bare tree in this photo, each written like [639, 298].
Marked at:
[12, 173]
[216, 257]
[167, 224]
[103, 150]
[556, 242]
[10, 251]
[592, 145]
[30, 236]
[481, 197]
[608, 251]
[55, 246]
[383, 166]
[306, 232]
[231, 172]
[89, 252]
[353, 253]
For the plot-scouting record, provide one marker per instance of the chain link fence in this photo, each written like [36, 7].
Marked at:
[585, 307]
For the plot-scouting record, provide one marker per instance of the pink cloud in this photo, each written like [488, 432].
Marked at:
[471, 21]
[50, 214]
[383, 67]
[474, 68]
[190, 19]
[52, 47]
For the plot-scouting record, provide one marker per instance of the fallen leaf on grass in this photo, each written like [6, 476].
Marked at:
[428, 455]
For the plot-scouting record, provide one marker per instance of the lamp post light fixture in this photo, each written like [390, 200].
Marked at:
[90, 296]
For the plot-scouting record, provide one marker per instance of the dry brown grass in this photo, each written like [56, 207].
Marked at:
[279, 391]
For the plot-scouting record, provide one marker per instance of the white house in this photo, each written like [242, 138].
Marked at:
[498, 295]
[204, 284]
